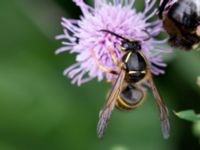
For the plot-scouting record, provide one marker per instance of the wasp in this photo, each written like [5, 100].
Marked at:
[181, 20]
[127, 92]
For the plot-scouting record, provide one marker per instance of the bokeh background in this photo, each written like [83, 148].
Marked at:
[41, 110]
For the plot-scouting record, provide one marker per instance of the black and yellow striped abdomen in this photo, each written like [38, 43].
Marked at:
[129, 98]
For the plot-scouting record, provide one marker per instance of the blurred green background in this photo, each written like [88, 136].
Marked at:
[40, 109]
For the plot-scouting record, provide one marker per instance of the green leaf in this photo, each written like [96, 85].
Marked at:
[188, 115]
[196, 129]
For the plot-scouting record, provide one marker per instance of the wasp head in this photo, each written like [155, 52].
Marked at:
[128, 45]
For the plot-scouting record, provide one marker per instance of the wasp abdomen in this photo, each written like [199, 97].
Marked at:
[129, 98]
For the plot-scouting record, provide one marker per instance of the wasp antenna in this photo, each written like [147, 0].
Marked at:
[112, 33]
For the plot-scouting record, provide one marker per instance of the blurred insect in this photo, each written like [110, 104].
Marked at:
[181, 20]
[127, 91]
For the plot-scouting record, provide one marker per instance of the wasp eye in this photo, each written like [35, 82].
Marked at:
[125, 45]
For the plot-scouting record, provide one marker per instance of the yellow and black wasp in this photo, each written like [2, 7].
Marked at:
[127, 92]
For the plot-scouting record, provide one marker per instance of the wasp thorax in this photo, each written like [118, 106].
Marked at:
[135, 66]
[130, 45]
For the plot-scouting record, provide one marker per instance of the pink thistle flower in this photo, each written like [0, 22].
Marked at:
[82, 35]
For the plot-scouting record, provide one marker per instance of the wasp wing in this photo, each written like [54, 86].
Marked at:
[164, 117]
[105, 113]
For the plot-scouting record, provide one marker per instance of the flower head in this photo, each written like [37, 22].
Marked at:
[83, 35]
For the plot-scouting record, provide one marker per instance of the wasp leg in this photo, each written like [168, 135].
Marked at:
[111, 71]
[114, 58]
